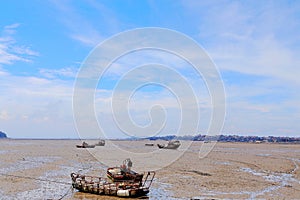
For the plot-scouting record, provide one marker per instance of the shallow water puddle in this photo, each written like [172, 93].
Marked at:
[281, 179]
[222, 163]
[264, 154]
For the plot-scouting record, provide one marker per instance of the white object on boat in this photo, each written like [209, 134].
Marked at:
[123, 193]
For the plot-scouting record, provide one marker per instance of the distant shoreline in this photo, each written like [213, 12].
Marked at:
[198, 138]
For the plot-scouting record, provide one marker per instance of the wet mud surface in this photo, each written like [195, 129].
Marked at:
[40, 169]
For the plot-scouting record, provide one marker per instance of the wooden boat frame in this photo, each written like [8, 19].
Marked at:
[102, 186]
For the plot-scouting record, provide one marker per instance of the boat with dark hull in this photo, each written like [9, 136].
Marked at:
[171, 145]
[100, 143]
[85, 145]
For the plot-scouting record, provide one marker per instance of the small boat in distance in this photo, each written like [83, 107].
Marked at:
[85, 145]
[100, 143]
[173, 144]
[149, 144]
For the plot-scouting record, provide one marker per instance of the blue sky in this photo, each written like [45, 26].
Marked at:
[254, 44]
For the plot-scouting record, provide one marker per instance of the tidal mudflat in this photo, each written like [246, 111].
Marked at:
[40, 169]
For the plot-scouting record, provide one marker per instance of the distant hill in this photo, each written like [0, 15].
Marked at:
[231, 138]
[2, 135]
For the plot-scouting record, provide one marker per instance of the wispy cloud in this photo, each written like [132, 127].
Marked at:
[256, 39]
[79, 27]
[88, 40]
[256, 46]
[46, 105]
[3, 73]
[4, 115]
[67, 72]
[10, 50]
[11, 29]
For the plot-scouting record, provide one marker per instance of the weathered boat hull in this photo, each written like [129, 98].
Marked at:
[100, 186]
[100, 143]
[168, 146]
[113, 191]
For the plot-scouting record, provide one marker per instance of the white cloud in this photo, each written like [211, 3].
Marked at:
[139, 111]
[248, 118]
[23, 50]
[253, 38]
[11, 29]
[260, 40]
[4, 115]
[10, 50]
[89, 40]
[33, 106]
[256, 46]
[3, 73]
[263, 57]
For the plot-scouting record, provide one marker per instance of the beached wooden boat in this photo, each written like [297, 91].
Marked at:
[101, 186]
[85, 145]
[100, 143]
[171, 145]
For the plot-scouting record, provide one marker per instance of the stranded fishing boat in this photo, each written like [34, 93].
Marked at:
[100, 143]
[171, 145]
[85, 145]
[121, 188]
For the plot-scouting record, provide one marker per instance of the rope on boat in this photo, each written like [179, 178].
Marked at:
[66, 193]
